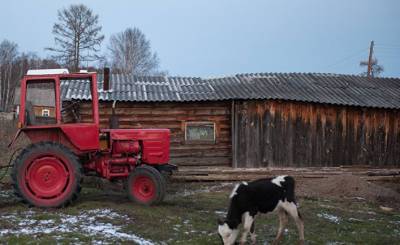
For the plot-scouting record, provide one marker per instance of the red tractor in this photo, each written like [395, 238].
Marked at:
[49, 172]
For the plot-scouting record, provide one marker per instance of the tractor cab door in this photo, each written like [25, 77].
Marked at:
[40, 103]
[79, 119]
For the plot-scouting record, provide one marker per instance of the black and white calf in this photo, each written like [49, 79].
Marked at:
[263, 195]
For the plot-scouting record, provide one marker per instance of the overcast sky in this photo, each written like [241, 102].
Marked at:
[214, 38]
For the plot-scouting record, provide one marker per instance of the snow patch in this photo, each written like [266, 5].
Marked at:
[85, 222]
[329, 217]
[220, 212]
[355, 220]
[6, 194]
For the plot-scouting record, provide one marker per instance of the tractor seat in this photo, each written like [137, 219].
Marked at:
[30, 117]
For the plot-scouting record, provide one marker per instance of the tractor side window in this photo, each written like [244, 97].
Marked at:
[76, 106]
[40, 107]
[200, 132]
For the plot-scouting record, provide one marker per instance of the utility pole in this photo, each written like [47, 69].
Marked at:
[371, 50]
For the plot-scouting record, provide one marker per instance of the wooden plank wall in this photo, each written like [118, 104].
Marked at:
[282, 133]
[173, 116]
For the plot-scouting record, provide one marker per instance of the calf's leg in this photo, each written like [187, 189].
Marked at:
[283, 220]
[253, 235]
[247, 220]
[291, 208]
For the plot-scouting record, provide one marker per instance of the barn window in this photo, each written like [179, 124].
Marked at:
[45, 113]
[200, 132]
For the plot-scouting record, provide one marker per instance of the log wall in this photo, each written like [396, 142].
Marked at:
[173, 116]
[283, 133]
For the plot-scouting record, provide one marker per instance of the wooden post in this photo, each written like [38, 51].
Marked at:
[233, 135]
[371, 50]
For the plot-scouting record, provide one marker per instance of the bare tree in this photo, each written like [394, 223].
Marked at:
[376, 69]
[26, 61]
[77, 36]
[13, 66]
[131, 53]
[8, 56]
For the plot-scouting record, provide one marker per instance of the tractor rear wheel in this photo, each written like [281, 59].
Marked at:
[146, 185]
[47, 175]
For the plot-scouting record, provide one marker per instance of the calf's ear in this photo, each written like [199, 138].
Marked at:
[220, 221]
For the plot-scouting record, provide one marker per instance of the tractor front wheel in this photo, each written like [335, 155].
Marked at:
[47, 175]
[146, 185]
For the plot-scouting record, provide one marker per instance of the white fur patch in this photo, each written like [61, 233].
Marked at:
[247, 220]
[228, 235]
[234, 193]
[289, 207]
[278, 180]
[245, 183]
[224, 230]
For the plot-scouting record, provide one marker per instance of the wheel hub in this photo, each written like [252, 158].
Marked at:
[47, 177]
[144, 188]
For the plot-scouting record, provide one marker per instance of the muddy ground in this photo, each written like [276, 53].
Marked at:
[334, 214]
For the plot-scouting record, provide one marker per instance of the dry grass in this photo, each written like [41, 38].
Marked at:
[7, 131]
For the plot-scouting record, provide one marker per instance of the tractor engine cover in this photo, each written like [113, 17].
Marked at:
[125, 147]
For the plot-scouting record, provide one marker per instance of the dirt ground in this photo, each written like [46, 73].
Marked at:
[348, 186]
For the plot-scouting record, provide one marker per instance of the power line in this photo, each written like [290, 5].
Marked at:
[384, 45]
[386, 52]
[345, 59]
[390, 57]
[380, 53]
[387, 47]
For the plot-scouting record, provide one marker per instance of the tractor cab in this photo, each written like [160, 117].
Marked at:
[41, 108]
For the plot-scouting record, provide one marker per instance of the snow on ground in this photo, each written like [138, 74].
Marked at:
[329, 217]
[6, 193]
[220, 213]
[86, 223]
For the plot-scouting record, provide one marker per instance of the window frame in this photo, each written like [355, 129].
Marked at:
[200, 123]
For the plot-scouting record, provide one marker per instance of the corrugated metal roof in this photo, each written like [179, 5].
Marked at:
[309, 87]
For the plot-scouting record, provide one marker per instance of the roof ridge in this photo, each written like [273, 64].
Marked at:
[246, 74]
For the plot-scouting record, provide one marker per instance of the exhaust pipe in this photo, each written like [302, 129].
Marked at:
[106, 80]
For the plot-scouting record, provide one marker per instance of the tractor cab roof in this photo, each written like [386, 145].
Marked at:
[61, 73]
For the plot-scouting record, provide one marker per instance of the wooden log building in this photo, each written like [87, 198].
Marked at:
[258, 120]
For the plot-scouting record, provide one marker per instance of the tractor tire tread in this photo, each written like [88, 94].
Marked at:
[47, 145]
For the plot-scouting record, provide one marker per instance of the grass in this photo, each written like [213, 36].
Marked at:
[191, 218]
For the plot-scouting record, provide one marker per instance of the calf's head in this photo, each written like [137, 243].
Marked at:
[227, 234]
